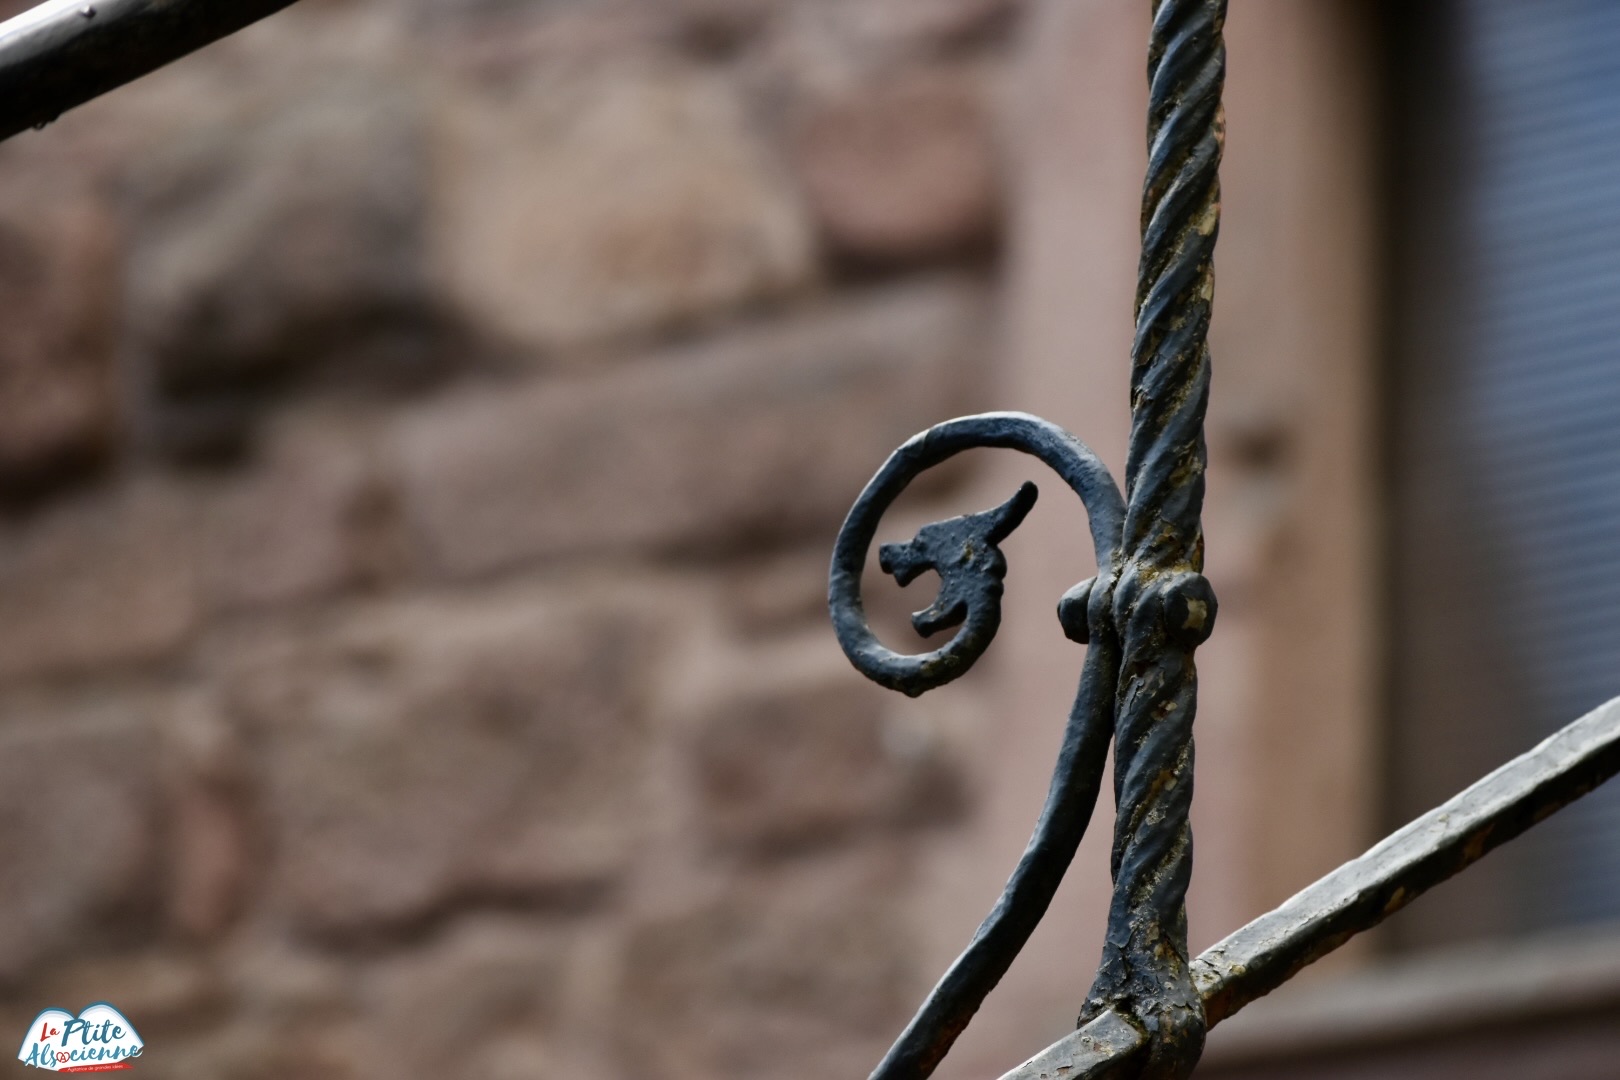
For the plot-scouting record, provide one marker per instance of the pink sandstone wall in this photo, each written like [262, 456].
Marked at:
[423, 426]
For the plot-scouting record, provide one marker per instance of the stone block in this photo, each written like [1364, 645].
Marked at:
[718, 29]
[496, 998]
[79, 825]
[333, 1047]
[168, 990]
[267, 1009]
[98, 581]
[782, 592]
[904, 169]
[784, 767]
[214, 849]
[597, 200]
[58, 272]
[792, 981]
[287, 240]
[759, 436]
[888, 28]
[306, 518]
[124, 574]
[420, 754]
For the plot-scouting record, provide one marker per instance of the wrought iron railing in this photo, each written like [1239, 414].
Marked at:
[1141, 617]
[61, 54]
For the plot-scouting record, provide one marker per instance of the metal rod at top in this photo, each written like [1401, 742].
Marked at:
[61, 54]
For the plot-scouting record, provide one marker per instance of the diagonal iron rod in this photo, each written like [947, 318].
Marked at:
[1362, 893]
[61, 54]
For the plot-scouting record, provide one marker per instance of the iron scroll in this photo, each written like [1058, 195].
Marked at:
[1145, 614]
[963, 552]
[1142, 617]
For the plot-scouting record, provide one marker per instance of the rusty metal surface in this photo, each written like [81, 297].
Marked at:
[60, 55]
[1109, 1047]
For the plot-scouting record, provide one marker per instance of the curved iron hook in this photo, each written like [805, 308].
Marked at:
[963, 551]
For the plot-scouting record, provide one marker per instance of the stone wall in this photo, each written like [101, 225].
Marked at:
[423, 429]
[423, 426]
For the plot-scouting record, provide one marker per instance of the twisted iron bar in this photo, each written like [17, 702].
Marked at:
[1163, 606]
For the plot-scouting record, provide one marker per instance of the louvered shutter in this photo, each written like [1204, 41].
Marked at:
[1506, 447]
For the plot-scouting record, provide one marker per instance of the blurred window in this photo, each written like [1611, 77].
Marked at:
[1504, 455]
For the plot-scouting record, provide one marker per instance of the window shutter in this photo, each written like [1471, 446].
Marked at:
[1506, 455]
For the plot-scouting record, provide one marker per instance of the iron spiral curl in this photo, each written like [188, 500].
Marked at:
[963, 551]
[1143, 616]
